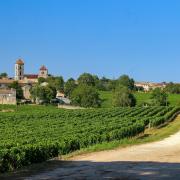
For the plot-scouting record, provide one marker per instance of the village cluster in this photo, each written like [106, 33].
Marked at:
[27, 81]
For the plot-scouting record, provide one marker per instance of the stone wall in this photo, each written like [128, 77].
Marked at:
[8, 97]
[26, 91]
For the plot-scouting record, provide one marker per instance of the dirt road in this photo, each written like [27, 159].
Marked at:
[158, 160]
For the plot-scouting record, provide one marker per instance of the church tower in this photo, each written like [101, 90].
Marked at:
[43, 72]
[19, 70]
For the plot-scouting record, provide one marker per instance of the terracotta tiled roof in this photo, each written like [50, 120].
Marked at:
[31, 76]
[43, 68]
[20, 62]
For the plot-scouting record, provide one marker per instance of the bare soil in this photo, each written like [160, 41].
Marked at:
[167, 150]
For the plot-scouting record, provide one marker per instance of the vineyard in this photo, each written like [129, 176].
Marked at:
[33, 134]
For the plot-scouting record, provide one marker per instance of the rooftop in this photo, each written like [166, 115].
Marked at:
[43, 68]
[20, 62]
[31, 76]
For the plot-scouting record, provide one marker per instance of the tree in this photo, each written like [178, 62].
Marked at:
[138, 88]
[86, 79]
[85, 96]
[2, 75]
[59, 83]
[70, 85]
[112, 85]
[159, 97]
[96, 80]
[125, 80]
[56, 82]
[50, 93]
[123, 97]
[41, 80]
[42, 93]
[105, 84]
[19, 91]
[102, 85]
[173, 88]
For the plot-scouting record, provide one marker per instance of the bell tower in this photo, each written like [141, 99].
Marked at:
[43, 72]
[19, 70]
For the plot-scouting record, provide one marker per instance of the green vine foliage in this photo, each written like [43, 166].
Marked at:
[33, 134]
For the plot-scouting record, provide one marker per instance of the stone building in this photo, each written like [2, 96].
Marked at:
[26, 81]
[147, 86]
[19, 70]
[28, 78]
[26, 91]
[43, 72]
[7, 96]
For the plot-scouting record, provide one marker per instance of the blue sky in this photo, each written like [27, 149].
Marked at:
[105, 37]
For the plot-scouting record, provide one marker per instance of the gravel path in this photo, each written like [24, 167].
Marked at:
[157, 160]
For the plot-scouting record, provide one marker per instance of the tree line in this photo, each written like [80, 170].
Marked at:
[85, 90]
[3, 75]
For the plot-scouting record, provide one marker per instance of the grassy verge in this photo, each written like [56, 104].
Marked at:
[150, 135]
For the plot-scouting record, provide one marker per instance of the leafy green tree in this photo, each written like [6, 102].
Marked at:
[59, 83]
[43, 93]
[56, 82]
[139, 89]
[50, 93]
[159, 97]
[19, 91]
[35, 92]
[173, 88]
[2, 75]
[106, 84]
[102, 85]
[125, 80]
[70, 85]
[86, 79]
[41, 80]
[122, 97]
[104, 79]
[96, 80]
[85, 96]
[112, 85]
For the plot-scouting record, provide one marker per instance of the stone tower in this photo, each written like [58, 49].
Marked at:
[19, 70]
[43, 72]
